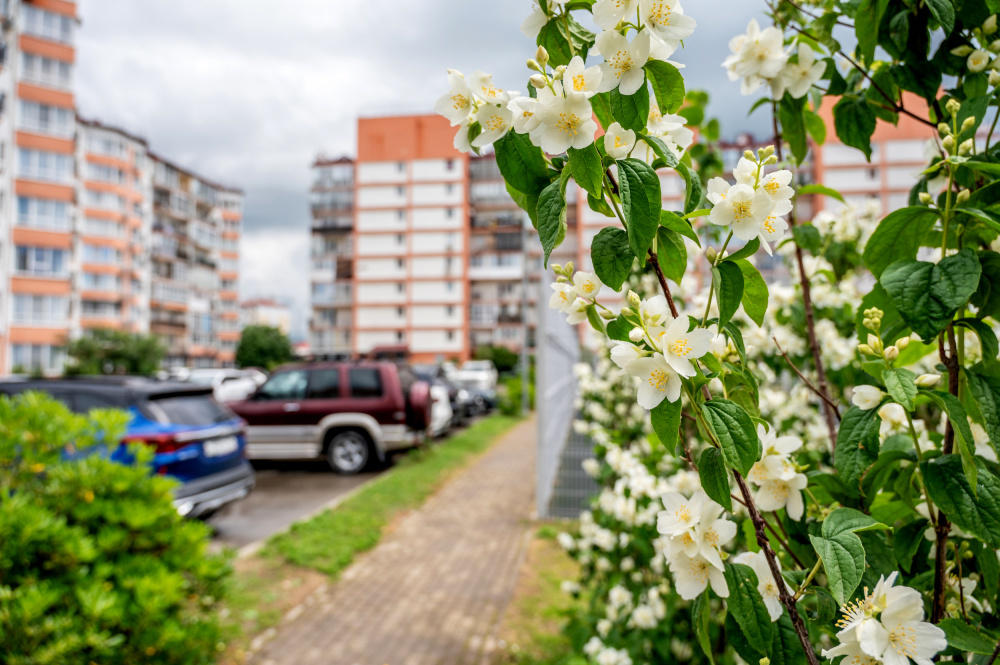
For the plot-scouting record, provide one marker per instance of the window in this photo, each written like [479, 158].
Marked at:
[450, 310]
[401, 288]
[324, 384]
[106, 228]
[400, 166]
[448, 188]
[400, 191]
[105, 201]
[101, 254]
[90, 281]
[401, 214]
[106, 145]
[85, 402]
[400, 239]
[288, 386]
[37, 357]
[449, 213]
[400, 312]
[450, 286]
[451, 335]
[46, 24]
[105, 173]
[97, 309]
[365, 382]
[41, 165]
[449, 165]
[43, 213]
[46, 119]
[399, 263]
[42, 261]
[399, 335]
[40, 309]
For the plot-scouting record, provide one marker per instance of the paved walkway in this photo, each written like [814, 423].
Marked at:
[433, 591]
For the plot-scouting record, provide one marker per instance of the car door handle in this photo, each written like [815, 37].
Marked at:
[292, 407]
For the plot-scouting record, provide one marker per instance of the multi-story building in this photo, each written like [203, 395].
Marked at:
[332, 257]
[266, 312]
[77, 232]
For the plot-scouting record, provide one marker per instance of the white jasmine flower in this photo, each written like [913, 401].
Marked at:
[982, 441]
[798, 77]
[774, 226]
[774, 463]
[787, 494]
[591, 467]
[623, 353]
[977, 61]
[525, 113]
[666, 20]
[644, 618]
[745, 172]
[692, 575]
[623, 61]
[581, 80]
[457, 103]
[671, 129]
[655, 311]
[717, 190]
[562, 296]
[618, 142]
[586, 284]
[461, 141]
[712, 533]
[679, 346]
[744, 209]
[659, 381]
[757, 56]
[866, 398]
[495, 121]
[609, 13]
[593, 646]
[534, 23]
[567, 122]
[482, 86]
[776, 185]
[680, 514]
[766, 585]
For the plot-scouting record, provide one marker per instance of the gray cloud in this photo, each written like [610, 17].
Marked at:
[247, 92]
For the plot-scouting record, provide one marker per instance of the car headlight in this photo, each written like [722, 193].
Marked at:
[463, 395]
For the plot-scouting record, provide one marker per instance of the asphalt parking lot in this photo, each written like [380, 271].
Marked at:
[285, 492]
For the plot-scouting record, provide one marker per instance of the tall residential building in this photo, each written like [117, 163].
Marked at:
[332, 257]
[265, 312]
[85, 239]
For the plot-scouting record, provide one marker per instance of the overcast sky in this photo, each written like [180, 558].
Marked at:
[247, 92]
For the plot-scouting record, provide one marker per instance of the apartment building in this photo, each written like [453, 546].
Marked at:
[85, 234]
[332, 257]
[267, 312]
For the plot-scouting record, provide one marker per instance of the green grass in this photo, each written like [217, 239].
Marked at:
[329, 542]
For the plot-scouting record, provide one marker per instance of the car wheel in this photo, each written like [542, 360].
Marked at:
[348, 451]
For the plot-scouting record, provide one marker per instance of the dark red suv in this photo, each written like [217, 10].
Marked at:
[351, 414]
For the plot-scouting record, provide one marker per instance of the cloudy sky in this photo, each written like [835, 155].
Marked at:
[247, 92]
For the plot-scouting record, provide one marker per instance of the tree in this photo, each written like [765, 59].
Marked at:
[503, 358]
[106, 351]
[263, 346]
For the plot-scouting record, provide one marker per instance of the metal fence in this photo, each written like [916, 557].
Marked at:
[563, 488]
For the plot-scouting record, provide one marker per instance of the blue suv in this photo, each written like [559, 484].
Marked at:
[197, 440]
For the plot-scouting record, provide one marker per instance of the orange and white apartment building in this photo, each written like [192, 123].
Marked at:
[417, 245]
[82, 230]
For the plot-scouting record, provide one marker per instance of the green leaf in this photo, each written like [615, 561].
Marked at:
[739, 641]
[527, 202]
[715, 477]
[898, 237]
[727, 280]
[671, 254]
[793, 126]
[927, 295]
[953, 408]
[987, 339]
[815, 126]
[869, 14]
[855, 123]
[848, 520]
[987, 296]
[551, 218]
[964, 637]
[755, 293]
[594, 319]
[906, 540]
[944, 12]
[694, 187]
[820, 190]
[562, 36]
[985, 390]
[612, 256]
[746, 250]
[668, 85]
[601, 104]
[807, 237]
[521, 163]
[747, 606]
[664, 153]
[900, 384]
[587, 169]
[843, 559]
[618, 329]
[666, 420]
[631, 111]
[701, 614]
[640, 192]
[734, 430]
[678, 224]
[976, 513]
[857, 445]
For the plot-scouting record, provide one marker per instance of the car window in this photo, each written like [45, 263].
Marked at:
[365, 382]
[289, 385]
[86, 402]
[190, 410]
[324, 384]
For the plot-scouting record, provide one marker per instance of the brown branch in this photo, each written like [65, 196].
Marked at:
[777, 536]
[996, 652]
[809, 385]
[811, 15]
[943, 526]
[663, 283]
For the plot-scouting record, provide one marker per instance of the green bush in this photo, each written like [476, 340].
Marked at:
[96, 566]
[503, 358]
[510, 393]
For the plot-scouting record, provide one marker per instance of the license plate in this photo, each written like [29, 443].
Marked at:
[220, 446]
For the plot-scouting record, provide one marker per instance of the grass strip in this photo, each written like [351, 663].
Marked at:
[329, 542]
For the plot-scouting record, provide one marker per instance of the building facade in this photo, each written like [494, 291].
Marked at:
[83, 241]
[265, 312]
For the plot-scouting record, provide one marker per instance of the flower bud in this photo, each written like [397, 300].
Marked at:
[875, 343]
[891, 353]
[711, 254]
[994, 46]
[867, 350]
[943, 128]
[749, 155]
[966, 147]
[542, 56]
[537, 80]
[560, 70]
[968, 123]
[953, 106]
[961, 51]
[867, 323]
[994, 78]
[636, 335]
[765, 661]
[962, 197]
[606, 314]
[768, 151]
[990, 25]
[628, 312]
[927, 380]
[570, 268]
[925, 198]
[948, 143]
[902, 343]
[633, 298]
[532, 64]
[772, 159]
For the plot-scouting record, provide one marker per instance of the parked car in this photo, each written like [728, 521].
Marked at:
[462, 403]
[481, 374]
[350, 414]
[442, 415]
[197, 440]
[229, 385]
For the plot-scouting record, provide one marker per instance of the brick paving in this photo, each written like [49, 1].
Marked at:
[433, 591]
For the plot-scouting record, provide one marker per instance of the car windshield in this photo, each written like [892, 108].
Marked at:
[202, 378]
[191, 410]
[478, 365]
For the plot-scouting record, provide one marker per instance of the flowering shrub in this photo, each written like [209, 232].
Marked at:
[744, 498]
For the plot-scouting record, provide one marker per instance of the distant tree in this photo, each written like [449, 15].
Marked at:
[106, 351]
[504, 359]
[263, 346]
